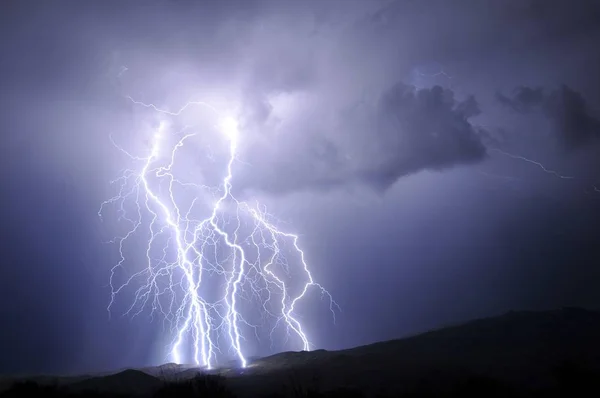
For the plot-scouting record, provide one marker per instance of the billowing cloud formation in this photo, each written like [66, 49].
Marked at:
[420, 130]
[564, 107]
[405, 131]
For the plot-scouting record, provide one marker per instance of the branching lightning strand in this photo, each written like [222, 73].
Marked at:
[538, 164]
[542, 167]
[179, 282]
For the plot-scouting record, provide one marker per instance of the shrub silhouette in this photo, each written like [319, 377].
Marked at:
[576, 379]
[207, 386]
[32, 389]
[570, 379]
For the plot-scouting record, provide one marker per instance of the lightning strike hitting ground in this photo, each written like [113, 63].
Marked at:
[208, 256]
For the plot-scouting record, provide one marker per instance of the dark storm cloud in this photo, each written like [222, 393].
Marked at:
[347, 137]
[524, 99]
[420, 130]
[564, 107]
[408, 130]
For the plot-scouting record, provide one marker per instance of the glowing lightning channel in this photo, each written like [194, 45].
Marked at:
[538, 164]
[180, 280]
[544, 168]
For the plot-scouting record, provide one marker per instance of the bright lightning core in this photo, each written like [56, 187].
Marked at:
[215, 268]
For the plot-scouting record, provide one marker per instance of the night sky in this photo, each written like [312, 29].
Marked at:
[418, 148]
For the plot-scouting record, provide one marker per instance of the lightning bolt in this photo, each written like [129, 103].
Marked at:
[538, 164]
[542, 167]
[440, 73]
[234, 242]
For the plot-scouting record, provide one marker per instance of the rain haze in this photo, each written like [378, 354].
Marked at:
[438, 161]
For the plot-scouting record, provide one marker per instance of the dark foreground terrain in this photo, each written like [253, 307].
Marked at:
[520, 354]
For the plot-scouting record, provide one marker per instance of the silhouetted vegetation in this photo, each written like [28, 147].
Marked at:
[571, 380]
[199, 386]
[32, 389]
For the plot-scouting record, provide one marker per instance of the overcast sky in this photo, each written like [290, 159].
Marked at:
[439, 159]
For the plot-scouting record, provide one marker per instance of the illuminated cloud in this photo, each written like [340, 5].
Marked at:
[406, 130]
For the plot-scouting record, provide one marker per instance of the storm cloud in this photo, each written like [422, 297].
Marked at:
[564, 107]
[425, 129]
[405, 131]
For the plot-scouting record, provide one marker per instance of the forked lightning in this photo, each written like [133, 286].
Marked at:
[185, 252]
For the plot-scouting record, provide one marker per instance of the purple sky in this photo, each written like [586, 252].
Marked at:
[391, 136]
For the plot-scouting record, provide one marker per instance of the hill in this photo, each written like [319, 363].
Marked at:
[526, 350]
